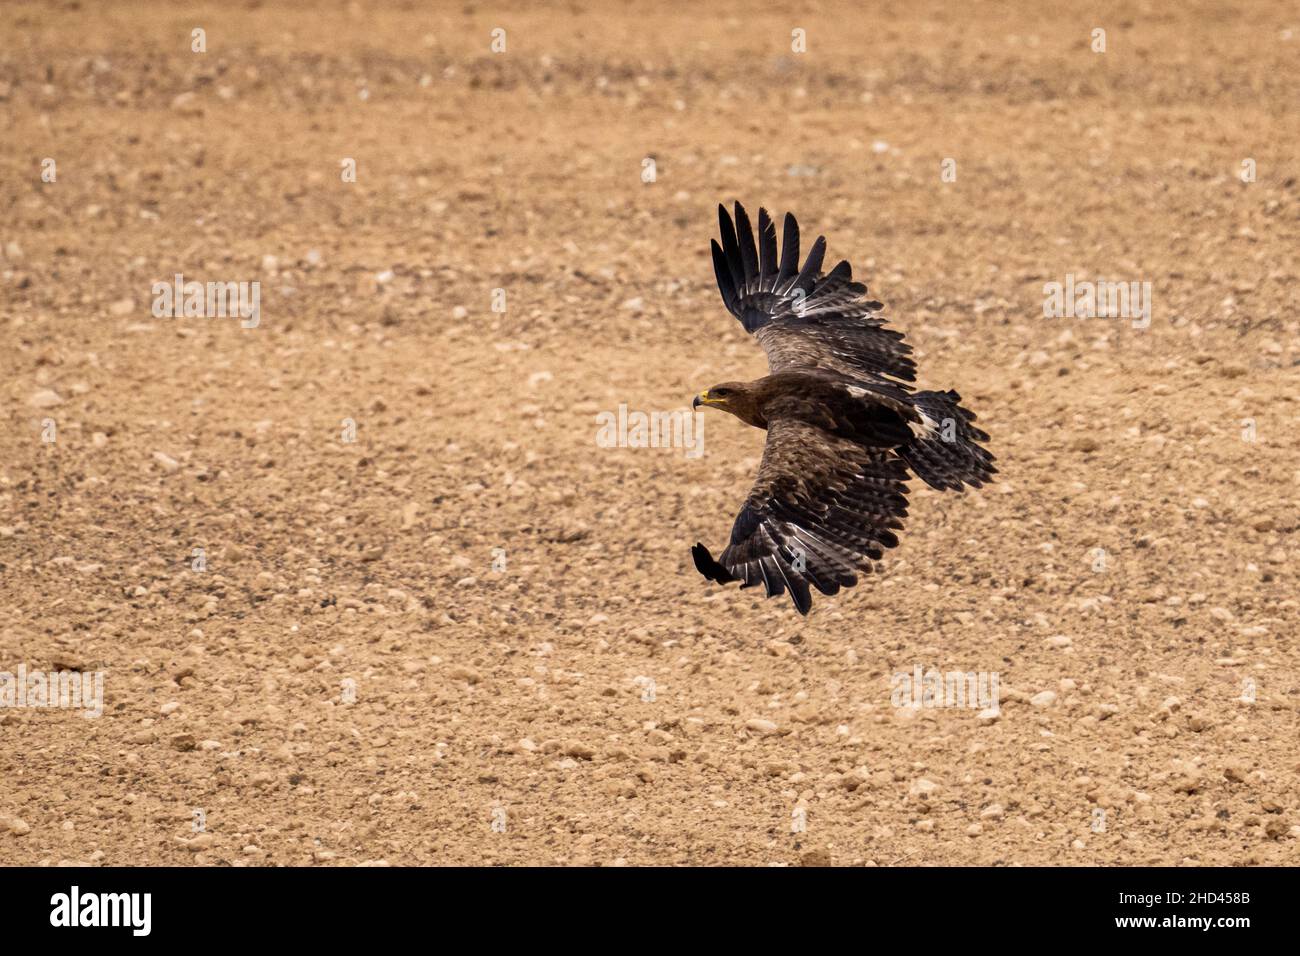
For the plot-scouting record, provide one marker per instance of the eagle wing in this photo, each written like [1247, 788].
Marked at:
[804, 318]
[822, 509]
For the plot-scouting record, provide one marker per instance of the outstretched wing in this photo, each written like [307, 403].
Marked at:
[822, 509]
[802, 317]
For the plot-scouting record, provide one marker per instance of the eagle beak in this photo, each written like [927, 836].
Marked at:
[699, 400]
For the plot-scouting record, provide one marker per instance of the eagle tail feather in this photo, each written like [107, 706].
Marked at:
[944, 452]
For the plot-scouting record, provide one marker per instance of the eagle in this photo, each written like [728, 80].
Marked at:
[845, 429]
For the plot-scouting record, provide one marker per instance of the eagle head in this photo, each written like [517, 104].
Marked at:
[738, 398]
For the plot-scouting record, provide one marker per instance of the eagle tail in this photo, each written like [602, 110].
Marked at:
[943, 451]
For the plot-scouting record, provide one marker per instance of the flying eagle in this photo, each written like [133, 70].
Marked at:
[843, 426]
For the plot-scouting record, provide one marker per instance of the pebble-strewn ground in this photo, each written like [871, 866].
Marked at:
[359, 676]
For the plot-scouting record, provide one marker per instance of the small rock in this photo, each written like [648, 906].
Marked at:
[45, 398]
[923, 788]
[186, 103]
[169, 464]
[580, 750]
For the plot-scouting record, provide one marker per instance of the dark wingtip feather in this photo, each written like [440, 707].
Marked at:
[748, 253]
[801, 594]
[767, 256]
[789, 250]
[705, 564]
[726, 282]
[731, 248]
[813, 265]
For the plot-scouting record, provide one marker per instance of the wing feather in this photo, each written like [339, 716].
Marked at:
[748, 252]
[731, 249]
[789, 251]
[767, 261]
[822, 510]
[802, 318]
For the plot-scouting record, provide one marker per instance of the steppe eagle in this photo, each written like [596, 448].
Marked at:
[844, 427]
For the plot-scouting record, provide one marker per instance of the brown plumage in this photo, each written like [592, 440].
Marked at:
[844, 427]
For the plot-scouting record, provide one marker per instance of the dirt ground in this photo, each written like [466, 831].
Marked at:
[473, 635]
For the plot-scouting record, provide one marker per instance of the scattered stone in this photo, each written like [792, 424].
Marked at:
[579, 750]
[187, 104]
[618, 788]
[923, 788]
[169, 464]
[45, 398]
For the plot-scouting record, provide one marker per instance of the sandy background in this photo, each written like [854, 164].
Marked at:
[1125, 689]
